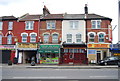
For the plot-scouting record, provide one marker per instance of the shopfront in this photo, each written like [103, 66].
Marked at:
[115, 49]
[7, 52]
[49, 54]
[27, 51]
[73, 54]
[96, 52]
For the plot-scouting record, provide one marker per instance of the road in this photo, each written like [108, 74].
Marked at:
[30, 73]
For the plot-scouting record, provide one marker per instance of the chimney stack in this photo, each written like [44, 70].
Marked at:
[86, 9]
[45, 11]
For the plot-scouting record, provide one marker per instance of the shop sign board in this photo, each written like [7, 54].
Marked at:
[98, 46]
[25, 45]
[7, 47]
[49, 48]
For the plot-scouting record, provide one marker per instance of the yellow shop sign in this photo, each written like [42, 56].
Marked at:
[27, 45]
[98, 46]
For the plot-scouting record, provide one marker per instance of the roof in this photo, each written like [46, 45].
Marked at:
[29, 17]
[53, 16]
[8, 18]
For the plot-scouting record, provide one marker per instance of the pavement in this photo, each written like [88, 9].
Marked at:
[43, 66]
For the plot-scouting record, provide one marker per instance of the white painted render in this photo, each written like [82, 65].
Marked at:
[67, 30]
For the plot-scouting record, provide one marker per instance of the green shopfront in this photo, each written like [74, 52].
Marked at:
[49, 54]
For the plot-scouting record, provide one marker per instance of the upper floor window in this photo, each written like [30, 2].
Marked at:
[0, 39]
[10, 25]
[78, 38]
[51, 25]
[73, 24]
[69, 38]
[1, 24]
[101, 37]
[29, 25]
[33, 38]
[91, 37]
[9, 39]
[96, 24]
[55, 38]
[46, 38]
[24, 37]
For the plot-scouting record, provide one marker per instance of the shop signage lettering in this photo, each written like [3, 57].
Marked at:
[98, 46]
[7, 47]
[27, 45]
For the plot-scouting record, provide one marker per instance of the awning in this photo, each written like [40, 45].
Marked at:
[49, 49]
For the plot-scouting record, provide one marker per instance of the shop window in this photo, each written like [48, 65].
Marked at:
[55, 38]
[50, 24]
[96, 24]
[91, 37]
[29, 25]
[71, 51]
[0, 39]
[1, 25]
[101, 37]
[24, 37]
[10, 25]
[69, 38]
[46, 38]
[78, 38]
[65, 50]
[33, 38]
[74, 24]
[9, 39]
[75, 50]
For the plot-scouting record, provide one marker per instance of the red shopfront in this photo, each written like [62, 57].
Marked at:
[73, 54]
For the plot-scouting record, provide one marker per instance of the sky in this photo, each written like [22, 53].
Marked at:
[107, 8]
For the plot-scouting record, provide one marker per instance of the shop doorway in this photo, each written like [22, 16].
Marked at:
[98, 56]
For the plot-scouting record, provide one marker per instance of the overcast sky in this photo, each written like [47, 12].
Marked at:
[107, 8]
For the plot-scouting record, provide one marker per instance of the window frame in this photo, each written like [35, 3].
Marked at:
[32, 38]
[92, 38]
[10, 26]
[29, 25]
[69, 38]
[1, 39]
[44, 38]
[56, 38]
[101, 38]
[9, 39]
[96, 25]
[50, 25]
[74, 24]
[24, 38]
[1, 25]
[78, 38]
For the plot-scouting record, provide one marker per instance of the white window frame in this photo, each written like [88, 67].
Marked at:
[51, 24]
[69, 38]
[74, 24]
[0, 39]
[29, 25]
[45, 39]
[54, 40]
[24, 38]
[78, 38]
[101, 38]
[1, 25]
[31, 39]
[10, 25]
[96, 24]
[9, 40]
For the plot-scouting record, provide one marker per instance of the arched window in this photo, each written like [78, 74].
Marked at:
[0, 39]
[46, 38]
[24, 37]
[9, 39]
[78, 38]
[69, 38]
[55, 38]
[33, 38]
[91, 37]
[101, 37]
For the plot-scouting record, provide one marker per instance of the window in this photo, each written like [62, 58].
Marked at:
[29, 25]
[1, 23]
[71, 51]
[101, 37]
[91, 37]
[96, 24]
[9, 39]
[78, 38]
[65, 50]
[24, 37]
[75, 50]
[33, 38]
[0, 39]
[69, 38]
[55, 38]
[50, 24]
[10, 25]
[73, 24]
[46, 38]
